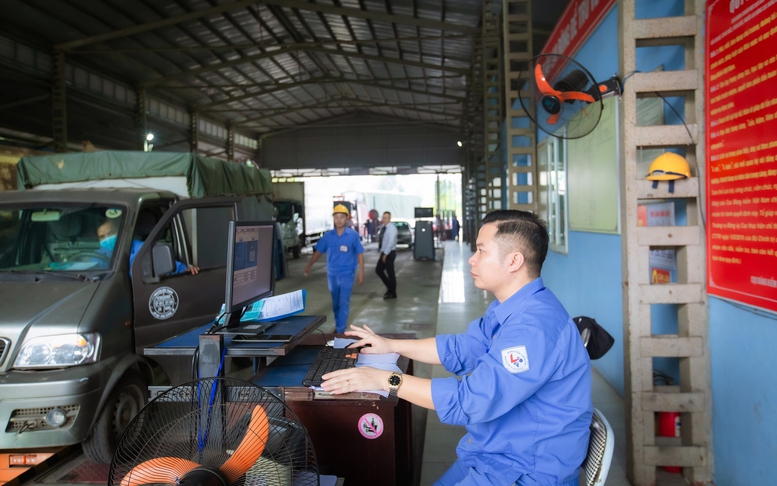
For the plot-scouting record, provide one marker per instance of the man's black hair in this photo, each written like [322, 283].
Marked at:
[530, 231]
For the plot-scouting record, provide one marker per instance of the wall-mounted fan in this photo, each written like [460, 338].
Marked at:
[565, 95]
[215, 431]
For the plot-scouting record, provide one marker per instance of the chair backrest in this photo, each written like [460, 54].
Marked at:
[600, 447]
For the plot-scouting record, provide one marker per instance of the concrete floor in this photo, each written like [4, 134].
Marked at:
[435, 297]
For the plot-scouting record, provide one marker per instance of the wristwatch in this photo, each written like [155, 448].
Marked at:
[394, 381]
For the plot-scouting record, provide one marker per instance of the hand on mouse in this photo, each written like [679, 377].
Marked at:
[368, 340]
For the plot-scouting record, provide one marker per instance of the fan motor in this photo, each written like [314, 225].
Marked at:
[551, 104]
[204, 476]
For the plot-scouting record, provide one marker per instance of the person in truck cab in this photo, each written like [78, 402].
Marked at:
[108, 232]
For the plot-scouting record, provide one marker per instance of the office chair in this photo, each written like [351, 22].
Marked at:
[600, 448]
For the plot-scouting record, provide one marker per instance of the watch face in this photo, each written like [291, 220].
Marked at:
[395, 380]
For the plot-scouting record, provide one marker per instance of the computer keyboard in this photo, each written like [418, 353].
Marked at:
[328, 360]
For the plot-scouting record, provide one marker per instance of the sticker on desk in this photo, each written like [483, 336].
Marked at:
[371, 426]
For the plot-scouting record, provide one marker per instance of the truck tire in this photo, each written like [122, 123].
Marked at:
[125, 401]
[295, 251]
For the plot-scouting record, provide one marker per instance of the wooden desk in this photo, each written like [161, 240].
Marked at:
[334, 423]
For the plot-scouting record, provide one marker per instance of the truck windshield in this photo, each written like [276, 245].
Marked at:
[58, 238]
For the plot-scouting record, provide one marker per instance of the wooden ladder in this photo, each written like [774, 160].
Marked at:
[692, 397]
[521, 143]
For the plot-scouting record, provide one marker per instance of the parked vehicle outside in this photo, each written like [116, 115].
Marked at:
[404, 233]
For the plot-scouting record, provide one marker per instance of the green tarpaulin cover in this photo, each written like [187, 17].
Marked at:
[204, 176]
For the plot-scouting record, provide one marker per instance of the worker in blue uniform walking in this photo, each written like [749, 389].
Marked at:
[344, 252]
[523, 390]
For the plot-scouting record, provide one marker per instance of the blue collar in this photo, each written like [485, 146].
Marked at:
[517, 301]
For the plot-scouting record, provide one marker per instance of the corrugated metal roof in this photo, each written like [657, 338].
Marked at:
[225, 58]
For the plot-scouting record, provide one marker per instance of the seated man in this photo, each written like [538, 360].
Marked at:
[524, 386]
[108, 233]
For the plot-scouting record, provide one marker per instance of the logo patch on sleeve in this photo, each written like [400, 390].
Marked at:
[515, 359]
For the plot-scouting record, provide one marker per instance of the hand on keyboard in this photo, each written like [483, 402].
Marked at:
[355, 379]
[367, 339]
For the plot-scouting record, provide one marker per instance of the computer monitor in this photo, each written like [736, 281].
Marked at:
[250, 272]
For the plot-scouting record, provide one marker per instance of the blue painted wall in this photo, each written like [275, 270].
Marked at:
[744, 395]
[588, 282]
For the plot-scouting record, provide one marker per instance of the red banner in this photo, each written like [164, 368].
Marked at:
[577, 22]
[741, 149]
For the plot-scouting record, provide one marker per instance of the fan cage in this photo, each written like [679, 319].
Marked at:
[181, 424]
[577, 118]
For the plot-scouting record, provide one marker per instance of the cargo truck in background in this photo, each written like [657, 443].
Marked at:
[305, 215]
[78, 310]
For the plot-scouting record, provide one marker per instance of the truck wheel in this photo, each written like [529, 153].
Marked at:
[295, 251]
[125, 401]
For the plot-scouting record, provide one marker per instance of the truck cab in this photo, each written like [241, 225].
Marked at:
[88, 279]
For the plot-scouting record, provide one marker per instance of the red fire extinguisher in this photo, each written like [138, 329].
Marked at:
[669, 426]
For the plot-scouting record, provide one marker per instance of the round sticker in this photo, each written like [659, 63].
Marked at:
[112, 213]
[163, 303]
[371, 426]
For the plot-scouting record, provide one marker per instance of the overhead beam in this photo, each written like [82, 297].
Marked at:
[393, 60]
[27, 101]
[380, 16]
[266, 45]
[277, 87]
[404, 90]
[322, 80]
[300, 5]
[350, 103]
[293, 48]
[137, 29]
[220, 65]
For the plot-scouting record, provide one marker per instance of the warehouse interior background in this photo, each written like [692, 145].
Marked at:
[399, 87]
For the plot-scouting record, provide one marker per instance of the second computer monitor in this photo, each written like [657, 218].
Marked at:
[250, 272]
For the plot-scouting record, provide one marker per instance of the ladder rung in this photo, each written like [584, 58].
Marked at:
[665, 135]
[683, 188]
[670, 293]
[668, 235]
[665, 81]
[671, 347]
[687, 456]
[666, 27]
[673, 402]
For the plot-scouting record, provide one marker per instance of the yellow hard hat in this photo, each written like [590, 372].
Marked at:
[669, 167]
[340, 208]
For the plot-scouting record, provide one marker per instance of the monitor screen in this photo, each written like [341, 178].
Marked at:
[424, 212]
[250, 272]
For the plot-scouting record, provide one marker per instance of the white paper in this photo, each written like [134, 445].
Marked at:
[282, 305]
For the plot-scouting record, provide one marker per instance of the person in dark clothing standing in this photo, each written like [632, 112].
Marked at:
[387, 245]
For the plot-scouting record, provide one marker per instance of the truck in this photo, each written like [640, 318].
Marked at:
[312, 207]
[81, 303]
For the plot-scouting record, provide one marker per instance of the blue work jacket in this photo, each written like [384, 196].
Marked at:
[341, 250]
[525, 390]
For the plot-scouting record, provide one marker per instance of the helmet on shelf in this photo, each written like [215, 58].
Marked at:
[668, 167]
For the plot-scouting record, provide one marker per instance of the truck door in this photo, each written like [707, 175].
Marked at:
[174, 300]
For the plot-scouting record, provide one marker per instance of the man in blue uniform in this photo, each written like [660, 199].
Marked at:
[524, 386]
[344, 250]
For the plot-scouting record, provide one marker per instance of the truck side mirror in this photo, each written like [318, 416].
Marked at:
[162, 260]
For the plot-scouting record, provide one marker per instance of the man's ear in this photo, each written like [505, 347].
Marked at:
[517, 260]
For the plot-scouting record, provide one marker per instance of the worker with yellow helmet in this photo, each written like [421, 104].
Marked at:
[344, 252]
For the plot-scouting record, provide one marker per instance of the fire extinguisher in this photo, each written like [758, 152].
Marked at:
[669, 426]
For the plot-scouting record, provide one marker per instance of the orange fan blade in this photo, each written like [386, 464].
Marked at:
[250, 448]
[542, 84]
[166, 470]
[552, 119]
[576, 95]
